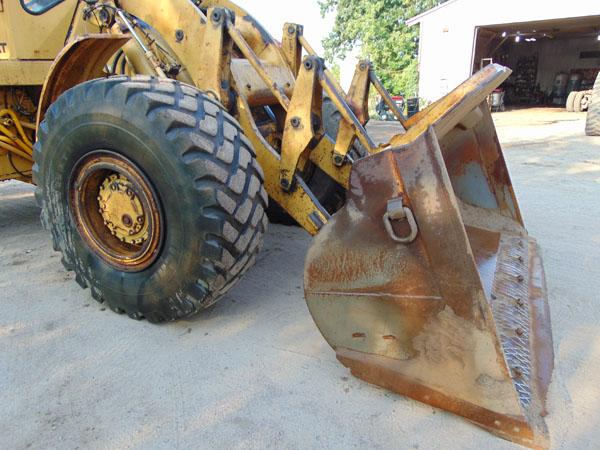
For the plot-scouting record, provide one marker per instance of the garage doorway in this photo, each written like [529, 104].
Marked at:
[552, 60]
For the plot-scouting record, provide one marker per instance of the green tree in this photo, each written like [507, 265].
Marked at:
[336, 71]
[379, 27]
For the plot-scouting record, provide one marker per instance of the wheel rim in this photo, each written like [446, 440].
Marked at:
[116, 211]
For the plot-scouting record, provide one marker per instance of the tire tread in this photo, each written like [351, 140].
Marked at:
[201, 127]
[592, 126]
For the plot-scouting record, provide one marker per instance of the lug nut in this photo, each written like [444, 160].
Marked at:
[127, 221]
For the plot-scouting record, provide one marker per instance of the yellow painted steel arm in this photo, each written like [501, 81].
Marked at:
[453, 109]
[299, 202]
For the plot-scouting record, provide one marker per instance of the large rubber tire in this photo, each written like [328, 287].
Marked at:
[329, 193]
[571, 101]
[592, 126]
[202, 168]
[577, 102]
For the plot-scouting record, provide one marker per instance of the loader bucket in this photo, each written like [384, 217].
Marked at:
[427, 283]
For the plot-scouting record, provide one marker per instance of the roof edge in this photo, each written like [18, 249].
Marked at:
[417, 19]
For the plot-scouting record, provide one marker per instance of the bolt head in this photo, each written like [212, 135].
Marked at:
[216, 15]
[308, 64]
[291, 29]
[295, 121]
[179, 35]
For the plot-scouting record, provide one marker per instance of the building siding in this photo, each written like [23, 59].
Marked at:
[447, 35]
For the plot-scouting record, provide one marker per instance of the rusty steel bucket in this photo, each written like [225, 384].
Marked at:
[427, 283]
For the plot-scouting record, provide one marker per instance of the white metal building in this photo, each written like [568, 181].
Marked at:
[538, 39]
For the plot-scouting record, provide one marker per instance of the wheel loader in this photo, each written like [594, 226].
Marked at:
[158, 132]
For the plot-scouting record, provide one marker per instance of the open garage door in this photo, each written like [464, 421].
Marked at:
[554, 62]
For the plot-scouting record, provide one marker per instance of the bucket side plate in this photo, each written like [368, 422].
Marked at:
[457, 319]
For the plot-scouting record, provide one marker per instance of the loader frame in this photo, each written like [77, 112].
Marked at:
[280, 78]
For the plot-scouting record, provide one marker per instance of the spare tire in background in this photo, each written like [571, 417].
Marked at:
[592, 126]
[571, 101]
[577, 101]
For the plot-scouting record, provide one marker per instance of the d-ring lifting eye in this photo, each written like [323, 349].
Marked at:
[397, 211]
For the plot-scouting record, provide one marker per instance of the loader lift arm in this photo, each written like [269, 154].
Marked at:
[298, 92]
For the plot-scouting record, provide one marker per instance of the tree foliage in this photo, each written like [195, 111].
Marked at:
[379, 27]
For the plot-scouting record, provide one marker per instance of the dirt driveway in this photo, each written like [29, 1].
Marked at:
[254, 371]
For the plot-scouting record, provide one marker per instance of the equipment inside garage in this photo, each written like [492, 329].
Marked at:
[554, 62]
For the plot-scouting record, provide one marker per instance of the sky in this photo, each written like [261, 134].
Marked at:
[272, 14]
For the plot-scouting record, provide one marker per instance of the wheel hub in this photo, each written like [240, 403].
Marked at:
[116, 210]
[122, 210]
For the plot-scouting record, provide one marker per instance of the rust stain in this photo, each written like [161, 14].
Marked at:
[458, 301]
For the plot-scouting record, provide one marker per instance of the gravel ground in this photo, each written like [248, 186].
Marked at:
[254, 372]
